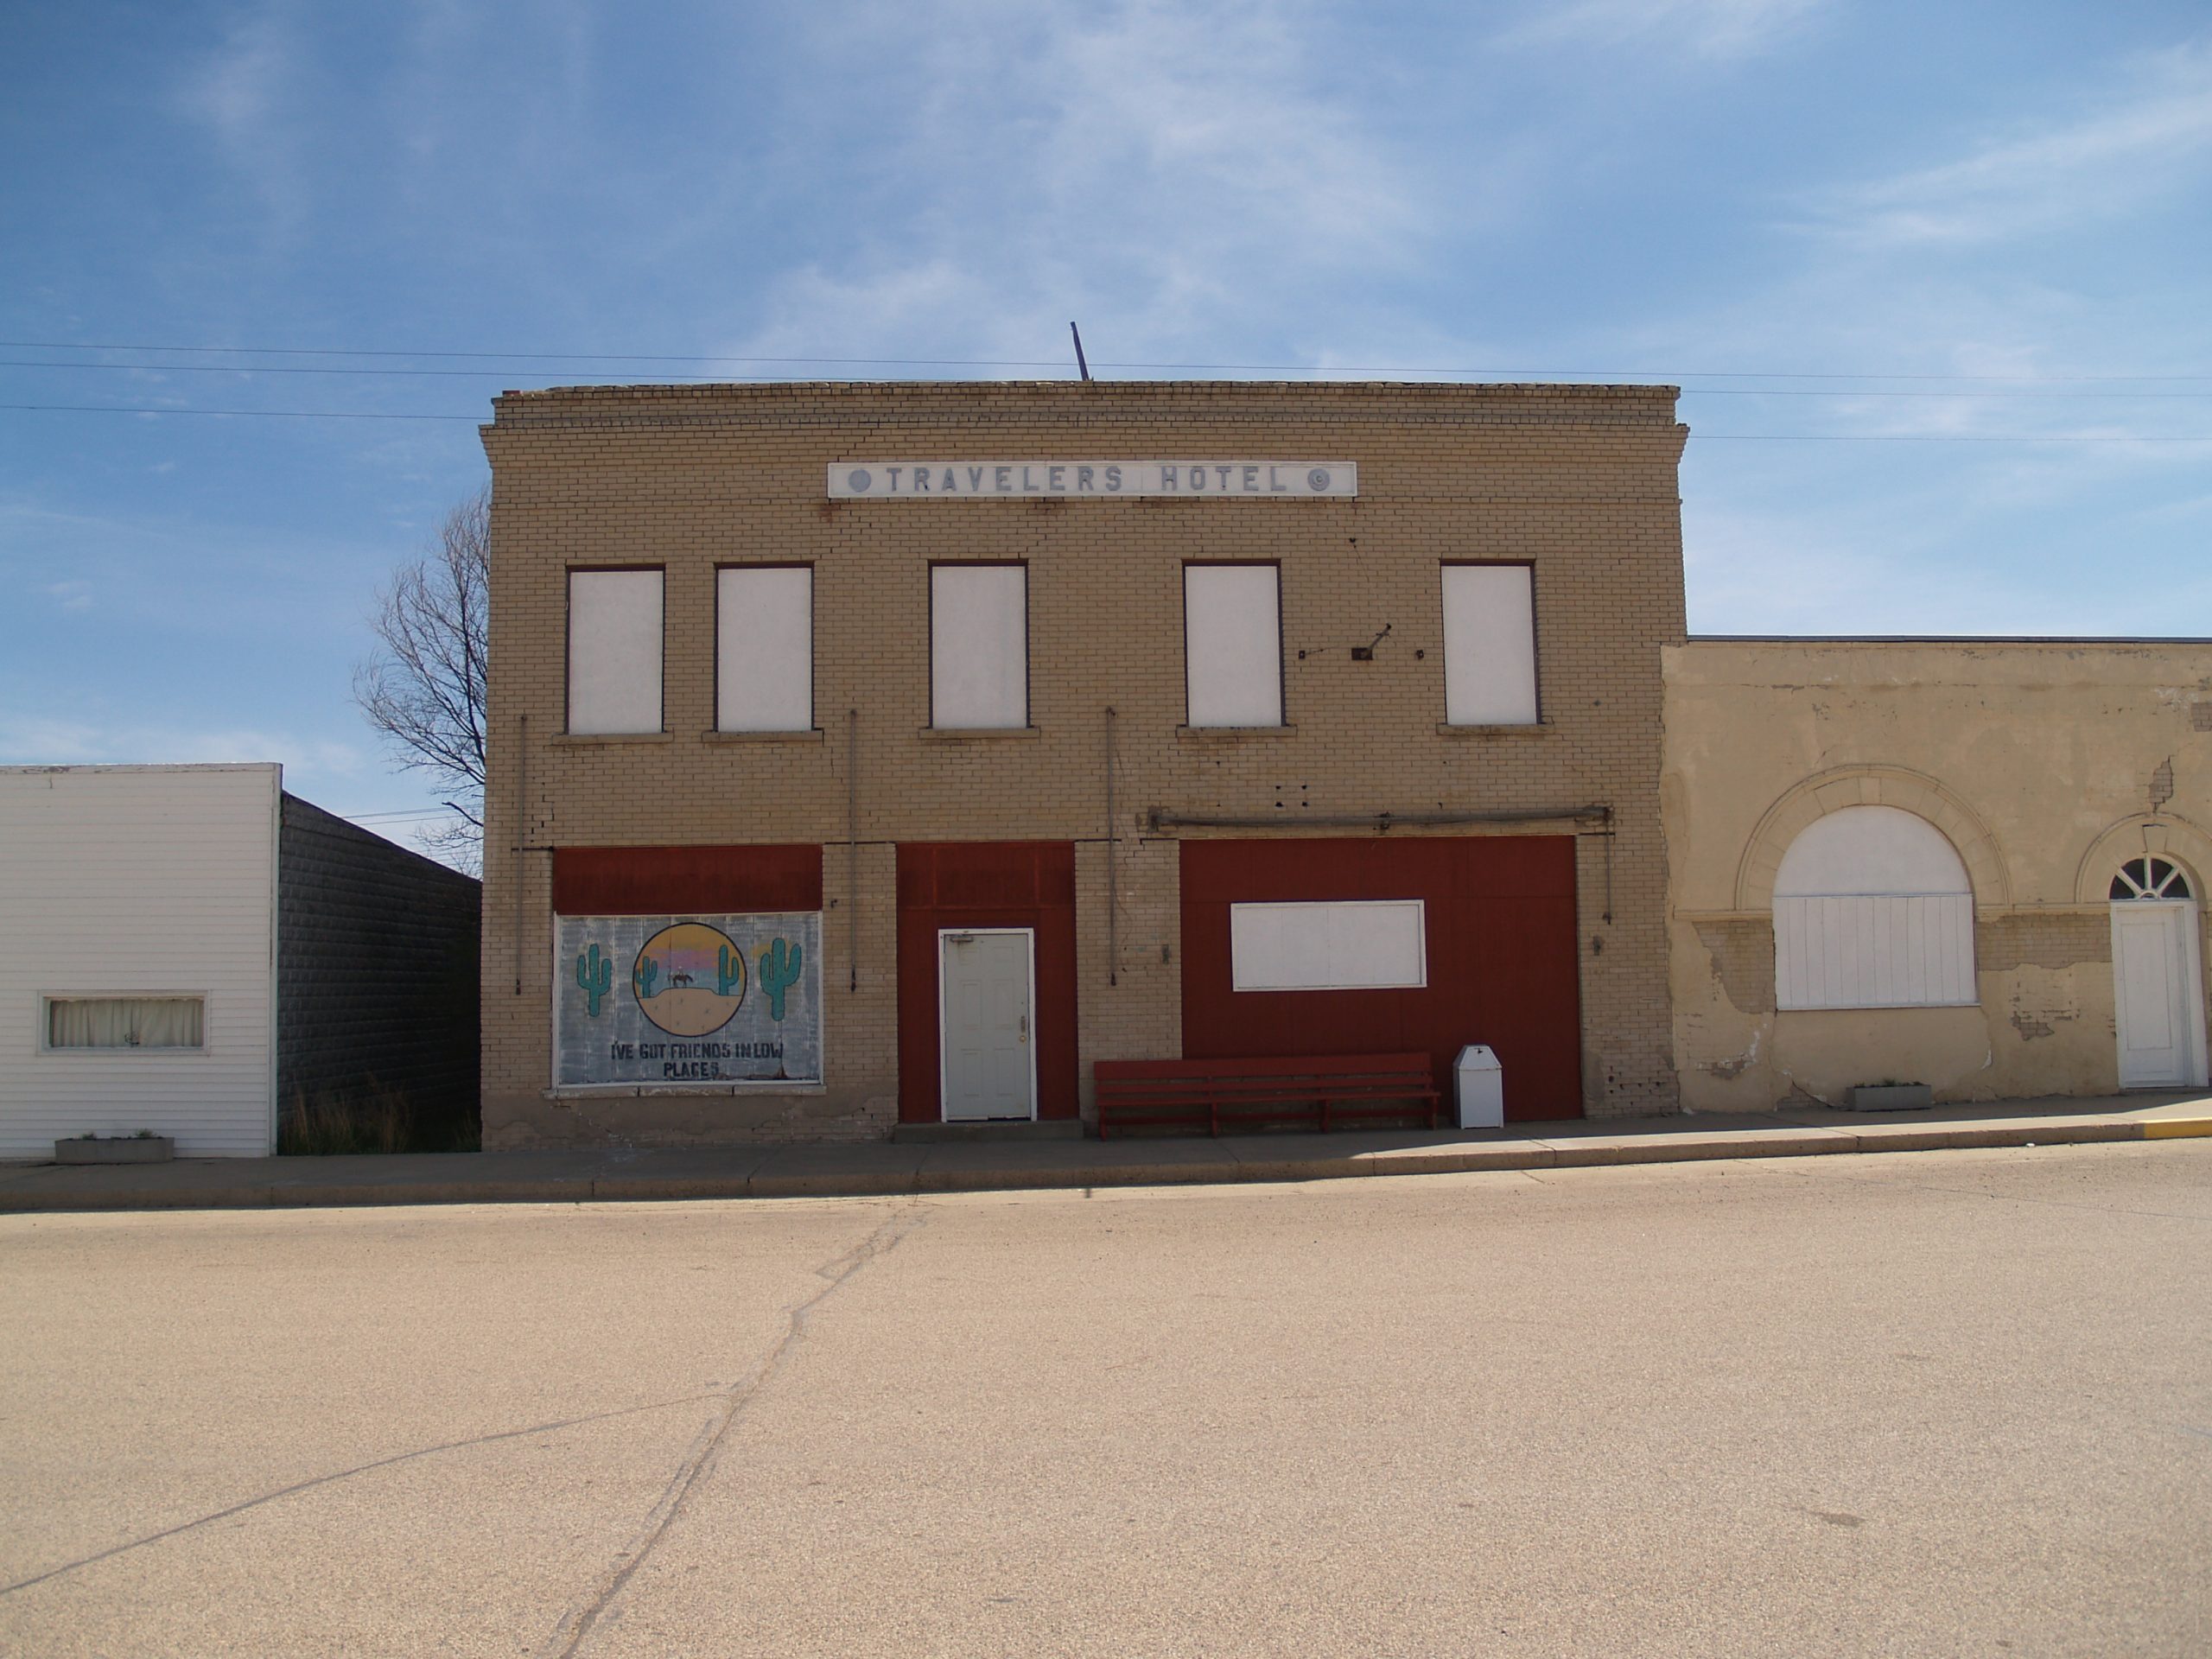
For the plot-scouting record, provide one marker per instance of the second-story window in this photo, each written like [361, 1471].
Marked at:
[1490, 646]
[614, 650]
[1232, 644]
[979, 646]
[763, 648]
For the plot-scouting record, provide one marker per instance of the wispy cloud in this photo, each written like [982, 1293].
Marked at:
[2143, 137]
[1704, 29]
[38, 740]
[241, 94]
[70, 595]
[1062, 164]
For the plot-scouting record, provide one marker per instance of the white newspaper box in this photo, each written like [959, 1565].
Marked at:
[1481, 1088]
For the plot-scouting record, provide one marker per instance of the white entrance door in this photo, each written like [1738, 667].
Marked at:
[984, 977]
[2157, 983]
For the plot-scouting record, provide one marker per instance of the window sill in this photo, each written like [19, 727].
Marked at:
[593, 739]
[124, 1051]
[811, 736]
[979, 733]
[1534, 728]
[1231, 734]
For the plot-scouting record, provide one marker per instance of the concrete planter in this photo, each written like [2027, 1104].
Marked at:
[127, 1149]
[1891, 1098]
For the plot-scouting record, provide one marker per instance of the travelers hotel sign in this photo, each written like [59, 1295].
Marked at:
[964, 480]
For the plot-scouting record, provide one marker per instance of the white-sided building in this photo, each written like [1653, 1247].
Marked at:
[187, 951]
[137, 955]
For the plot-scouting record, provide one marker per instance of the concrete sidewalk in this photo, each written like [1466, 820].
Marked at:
[626, 1174]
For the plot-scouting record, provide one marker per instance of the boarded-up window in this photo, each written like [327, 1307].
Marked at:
[763, 648]
[1490, 646]
[1872, 909]
[1232, 644]
[1352, 945]
[979, 646]
[614, 646]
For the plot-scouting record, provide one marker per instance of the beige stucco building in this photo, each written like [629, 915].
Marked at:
[1975, 864]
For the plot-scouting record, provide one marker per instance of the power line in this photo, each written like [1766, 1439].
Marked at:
[279, 414]
[1670, 377]
[495, 374]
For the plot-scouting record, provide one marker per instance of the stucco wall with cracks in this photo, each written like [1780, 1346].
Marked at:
[2045, 762]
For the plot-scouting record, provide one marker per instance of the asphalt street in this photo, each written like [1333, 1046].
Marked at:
[1954, 1402]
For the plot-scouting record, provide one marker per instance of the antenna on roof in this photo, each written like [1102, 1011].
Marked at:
[1079, 363]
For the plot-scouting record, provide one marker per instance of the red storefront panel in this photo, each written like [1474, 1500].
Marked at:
[986, 884]
[685, 881]
[1503, 969]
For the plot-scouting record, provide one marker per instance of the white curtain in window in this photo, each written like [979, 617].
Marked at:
[125, 1022]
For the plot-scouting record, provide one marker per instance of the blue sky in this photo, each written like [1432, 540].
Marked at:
[1868, 239]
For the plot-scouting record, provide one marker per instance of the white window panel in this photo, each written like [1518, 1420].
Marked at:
[1232, 644]
[763, 648]
[1871, 849]
[1490, 646]
[979, 646]
[1872, 909]
[614, 650]
[1350, 945]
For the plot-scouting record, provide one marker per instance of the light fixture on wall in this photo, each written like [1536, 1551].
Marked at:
[1366, 654]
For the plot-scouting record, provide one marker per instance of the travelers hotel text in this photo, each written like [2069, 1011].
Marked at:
[936, 480]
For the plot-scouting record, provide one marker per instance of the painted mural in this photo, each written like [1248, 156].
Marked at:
[673, 1001]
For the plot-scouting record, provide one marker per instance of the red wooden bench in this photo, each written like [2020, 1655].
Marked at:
[1308, 1091]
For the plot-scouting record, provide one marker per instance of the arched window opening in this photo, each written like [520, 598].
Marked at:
[2148, 878]
[1872, 909]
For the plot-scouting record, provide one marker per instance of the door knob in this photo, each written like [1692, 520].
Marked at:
[1024, 1027]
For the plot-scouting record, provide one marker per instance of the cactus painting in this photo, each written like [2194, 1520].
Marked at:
[780, 966]
[594, 977]
[673, 1000]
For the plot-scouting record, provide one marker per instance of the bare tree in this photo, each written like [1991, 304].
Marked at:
[424, 690]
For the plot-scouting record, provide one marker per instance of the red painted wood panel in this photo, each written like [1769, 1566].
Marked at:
[1503, 966]
[685, 881]
[986, 884]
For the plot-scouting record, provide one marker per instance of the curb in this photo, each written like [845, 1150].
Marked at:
[1578, 1152]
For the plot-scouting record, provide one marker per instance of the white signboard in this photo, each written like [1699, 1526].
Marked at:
[964, 480]
[1344, 945]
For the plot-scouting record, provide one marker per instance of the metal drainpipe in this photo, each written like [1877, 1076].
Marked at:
[853, 849]
[1113, 903]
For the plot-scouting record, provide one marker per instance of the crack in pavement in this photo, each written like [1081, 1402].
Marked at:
[576, 1625]
[298, 1487]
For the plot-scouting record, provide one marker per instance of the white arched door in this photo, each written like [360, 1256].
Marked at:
[2157, 983]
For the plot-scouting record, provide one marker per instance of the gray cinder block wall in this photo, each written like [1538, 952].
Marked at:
[376, 969]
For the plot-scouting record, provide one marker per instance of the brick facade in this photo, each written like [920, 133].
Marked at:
[1580, 481]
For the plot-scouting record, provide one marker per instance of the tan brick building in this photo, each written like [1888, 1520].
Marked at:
[855, 748]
